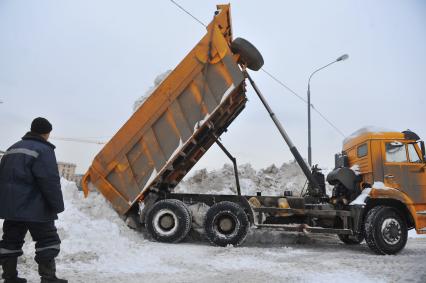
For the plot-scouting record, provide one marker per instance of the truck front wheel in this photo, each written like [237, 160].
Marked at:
[168, 221]
[226, 223]
[385, 230]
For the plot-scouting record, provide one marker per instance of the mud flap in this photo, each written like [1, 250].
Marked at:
[357, 212]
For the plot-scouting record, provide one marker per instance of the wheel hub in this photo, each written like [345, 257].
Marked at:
[226, 224]
[167, 222]
[391, 231]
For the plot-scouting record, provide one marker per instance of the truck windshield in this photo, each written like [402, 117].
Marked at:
[395, 152]
[413, 155]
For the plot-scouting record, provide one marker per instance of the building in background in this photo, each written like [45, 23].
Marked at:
[77, 180]
[67, 170]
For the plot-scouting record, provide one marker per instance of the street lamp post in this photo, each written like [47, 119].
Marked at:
[341, 58]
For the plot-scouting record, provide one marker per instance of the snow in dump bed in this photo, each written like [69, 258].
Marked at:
[98, 247]
[366, 129]
[157, 81]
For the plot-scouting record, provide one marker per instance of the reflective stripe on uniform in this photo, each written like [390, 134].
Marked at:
[7, 251]
[26, 151]
[53, 247]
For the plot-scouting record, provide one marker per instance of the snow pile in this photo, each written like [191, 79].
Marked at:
[98, 247]
[157, 81]
[94, 237]
[272, 181]
[94, 240]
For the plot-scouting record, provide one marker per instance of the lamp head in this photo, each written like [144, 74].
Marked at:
[342, 58]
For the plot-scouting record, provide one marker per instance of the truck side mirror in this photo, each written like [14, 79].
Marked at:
[422, 146]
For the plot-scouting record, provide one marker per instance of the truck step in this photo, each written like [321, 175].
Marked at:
[309, 212]
[306, 228]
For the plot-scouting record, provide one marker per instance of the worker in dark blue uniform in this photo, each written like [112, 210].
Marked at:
[30, 199]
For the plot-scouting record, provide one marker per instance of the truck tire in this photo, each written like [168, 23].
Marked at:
[385, 230]
[226, 223]
[249, 54]
[350, 239]
[168, 221]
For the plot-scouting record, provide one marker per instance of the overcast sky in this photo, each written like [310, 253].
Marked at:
[82, 64]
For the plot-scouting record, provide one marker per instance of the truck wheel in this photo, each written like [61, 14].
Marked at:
[350, 239]
[168, 221]
[385, 230]
[249, 54]
[226, 223]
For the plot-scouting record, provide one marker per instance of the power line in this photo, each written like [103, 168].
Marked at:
[304, 100]
[283, 85]
[191, 15]
[77, 140]
[328, 121]
[271, 76]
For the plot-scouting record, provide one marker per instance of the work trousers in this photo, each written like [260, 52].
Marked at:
[43, 233]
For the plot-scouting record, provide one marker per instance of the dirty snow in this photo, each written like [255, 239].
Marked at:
[355, 169]
[227, 92]
[380, 185]
[151, 178]
[178, 149]
[360, 200]
[98, 247]
[198, 124]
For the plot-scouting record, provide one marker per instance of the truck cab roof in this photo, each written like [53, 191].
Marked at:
[369, 133]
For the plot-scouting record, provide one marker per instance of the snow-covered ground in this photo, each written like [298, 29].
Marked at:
[98, 247]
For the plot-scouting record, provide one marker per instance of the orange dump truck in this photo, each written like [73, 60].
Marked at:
[182, 118]
[379, 180]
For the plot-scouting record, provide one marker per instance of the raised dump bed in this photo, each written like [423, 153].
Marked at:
[178, 123]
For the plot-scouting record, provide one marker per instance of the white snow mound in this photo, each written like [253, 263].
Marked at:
[271, 181]
[157, 81]
[97, 246]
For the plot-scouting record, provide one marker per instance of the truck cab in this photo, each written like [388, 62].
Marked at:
[391, 168]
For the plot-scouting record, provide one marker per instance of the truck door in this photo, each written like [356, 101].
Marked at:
[416, 171]
[393, 169]
[404, 171]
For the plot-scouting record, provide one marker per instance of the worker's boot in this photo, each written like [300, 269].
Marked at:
[10, 273]
[47, 271]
